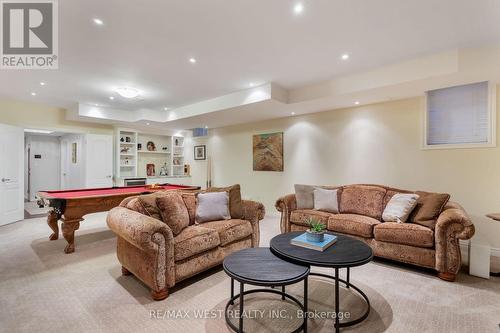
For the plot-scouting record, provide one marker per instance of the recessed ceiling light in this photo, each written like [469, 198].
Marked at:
[293, 113]
[298, 8]
[33, 94]
[42, 83]
[98, 21]
[345, 56]
[111, 98]
[357, 102]
[165, 108]
[192, 60]
[147, 124]
[251, 84]
[206, 127]
[127, 92]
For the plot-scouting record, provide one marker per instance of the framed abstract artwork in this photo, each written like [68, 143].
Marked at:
[268, 152]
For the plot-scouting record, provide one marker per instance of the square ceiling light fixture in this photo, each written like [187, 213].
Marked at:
[127, 92]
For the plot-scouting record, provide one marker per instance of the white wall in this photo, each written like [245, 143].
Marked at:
[379, 143]
[45, 171]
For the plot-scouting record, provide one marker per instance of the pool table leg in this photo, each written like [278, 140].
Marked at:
[68, 230]
[52, 219]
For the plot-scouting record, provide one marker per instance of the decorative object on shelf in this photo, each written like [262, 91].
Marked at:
[151, 146]
[316, 231]
[176, 142]
[127, 139]
[122, 139]
[150, 169]
[126, 161]
[176, 161]
[200, 152]
[139, 146]
[187, 169]
[164, 170]
[124, 150]
[164, 148]
[268, 152]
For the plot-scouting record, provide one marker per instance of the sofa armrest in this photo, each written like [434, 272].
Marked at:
[253, 211]
[138, 229]
[286, 205]
[452, 224]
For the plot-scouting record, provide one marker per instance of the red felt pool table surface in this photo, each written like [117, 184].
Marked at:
[70, 206]
[98, 192]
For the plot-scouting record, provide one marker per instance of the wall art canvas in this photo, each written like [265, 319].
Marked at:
[268, 152]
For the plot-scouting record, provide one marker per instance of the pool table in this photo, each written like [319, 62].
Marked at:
[70, 206]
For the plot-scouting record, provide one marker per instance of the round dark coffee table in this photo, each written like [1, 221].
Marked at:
[347, 252]
[259, 267]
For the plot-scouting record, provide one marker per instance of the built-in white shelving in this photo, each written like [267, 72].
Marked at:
[136, 150]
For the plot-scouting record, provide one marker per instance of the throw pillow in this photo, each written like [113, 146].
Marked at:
[148, 203]
[173, 211]
[235, 205]
[212, 206]
[326, 200]
[399, 207]
[429, 206]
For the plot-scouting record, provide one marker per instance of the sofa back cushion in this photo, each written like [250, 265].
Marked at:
[190, 202]
[429, 206]
[362, 200]
[145, 204]
[173, 211]
[235, 205]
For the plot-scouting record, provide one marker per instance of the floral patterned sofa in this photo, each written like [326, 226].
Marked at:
[149, 249]
[433, 245]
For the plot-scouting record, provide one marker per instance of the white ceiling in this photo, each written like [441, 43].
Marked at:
[146, 44]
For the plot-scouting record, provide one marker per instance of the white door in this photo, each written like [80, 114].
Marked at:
[99, 160]
[72, 164]
[11, 174]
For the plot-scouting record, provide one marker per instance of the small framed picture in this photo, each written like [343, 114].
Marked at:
[200, 152]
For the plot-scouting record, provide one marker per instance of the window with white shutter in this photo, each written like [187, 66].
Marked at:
[460, 117]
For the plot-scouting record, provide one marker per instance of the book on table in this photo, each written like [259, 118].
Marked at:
[302, 241]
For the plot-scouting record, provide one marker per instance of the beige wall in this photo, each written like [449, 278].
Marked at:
[31, 115]
[378, 143]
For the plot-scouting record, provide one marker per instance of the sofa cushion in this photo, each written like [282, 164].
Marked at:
[235, 205]
[404, 233]
[304, 195]
[429, 206]
[300, 216]
[173, 211]
[352, 224]
[212, 206]
[230, 230]
[362, 200]
[194, 240]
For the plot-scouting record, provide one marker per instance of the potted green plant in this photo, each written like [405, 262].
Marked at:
[316, 231]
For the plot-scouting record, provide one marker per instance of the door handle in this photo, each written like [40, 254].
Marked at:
[109, 176]
[5, 180]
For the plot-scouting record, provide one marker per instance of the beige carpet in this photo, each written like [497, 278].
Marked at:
[43, 290]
